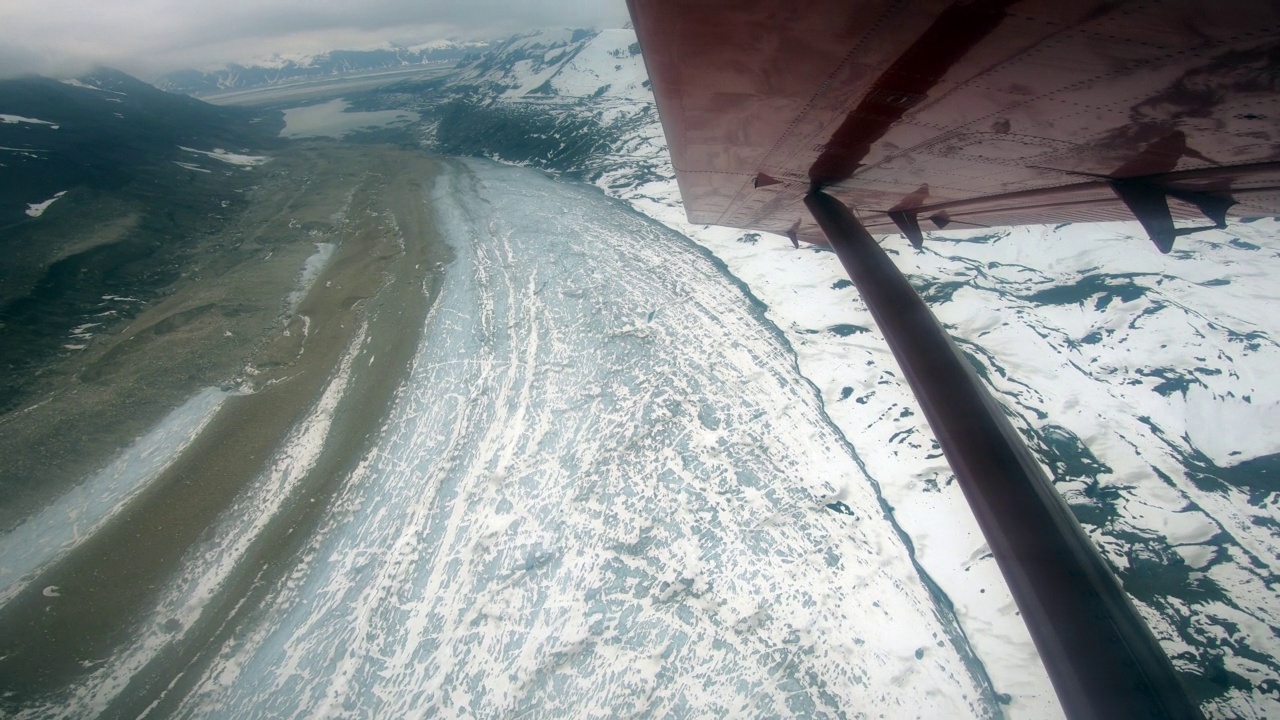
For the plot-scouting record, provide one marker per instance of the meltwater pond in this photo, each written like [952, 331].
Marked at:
[335, 119]
[603, 490]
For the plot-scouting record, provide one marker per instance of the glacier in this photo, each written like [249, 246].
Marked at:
[605, 488]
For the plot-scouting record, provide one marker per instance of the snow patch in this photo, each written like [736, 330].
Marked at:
[15, 119]
[1254, 423]
[311, 270]
[229, 157]
[28, 152]
[76, 83]
[189, 166]
[35, 210]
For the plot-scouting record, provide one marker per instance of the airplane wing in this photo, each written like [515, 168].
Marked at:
[929, 114]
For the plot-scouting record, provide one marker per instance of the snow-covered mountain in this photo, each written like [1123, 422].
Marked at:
[560, 63]
[278, 70]
[564, 99]
[1144, 382]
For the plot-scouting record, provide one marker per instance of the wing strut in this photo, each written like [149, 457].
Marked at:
[1101, 657]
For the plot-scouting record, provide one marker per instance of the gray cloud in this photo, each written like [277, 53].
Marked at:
[148, 37]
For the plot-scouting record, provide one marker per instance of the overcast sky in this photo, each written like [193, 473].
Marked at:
[148, 37]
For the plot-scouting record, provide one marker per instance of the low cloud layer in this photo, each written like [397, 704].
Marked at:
[149, 37]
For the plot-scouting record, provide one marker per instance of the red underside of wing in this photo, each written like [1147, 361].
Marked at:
[986, 113]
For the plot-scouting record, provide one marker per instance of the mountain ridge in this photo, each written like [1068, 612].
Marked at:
[283, 70]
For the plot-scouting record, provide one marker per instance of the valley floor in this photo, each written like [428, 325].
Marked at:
[338, 253]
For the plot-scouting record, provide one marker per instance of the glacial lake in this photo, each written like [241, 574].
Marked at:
[334, 119]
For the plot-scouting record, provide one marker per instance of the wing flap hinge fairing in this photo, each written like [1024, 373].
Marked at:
[1149, 203]
[909, 225]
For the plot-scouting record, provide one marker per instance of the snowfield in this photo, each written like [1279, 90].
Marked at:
[230, 158]
[15, 119]
[35, 210]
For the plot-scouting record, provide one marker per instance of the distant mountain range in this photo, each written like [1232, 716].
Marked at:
[280, 71]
